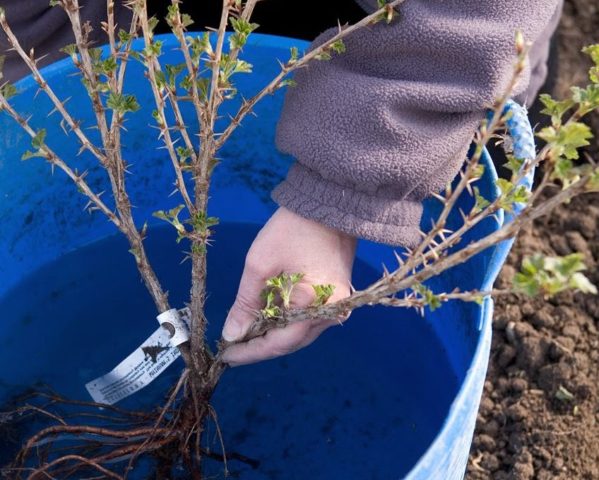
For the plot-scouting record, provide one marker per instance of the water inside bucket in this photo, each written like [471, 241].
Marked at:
[362, 402]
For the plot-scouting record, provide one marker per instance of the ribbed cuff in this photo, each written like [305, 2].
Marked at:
[380, 219]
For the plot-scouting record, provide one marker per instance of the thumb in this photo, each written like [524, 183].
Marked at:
[247, 303]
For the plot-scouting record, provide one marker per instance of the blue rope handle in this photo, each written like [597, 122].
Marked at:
[520, 131]
[523, 142]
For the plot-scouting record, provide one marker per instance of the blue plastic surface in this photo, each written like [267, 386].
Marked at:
[42, 219]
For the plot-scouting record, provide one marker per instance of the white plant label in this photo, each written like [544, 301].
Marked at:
[139, 369]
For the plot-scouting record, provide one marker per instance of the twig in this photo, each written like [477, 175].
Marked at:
[31, 63]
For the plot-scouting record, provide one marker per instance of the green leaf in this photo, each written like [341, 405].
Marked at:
[160, 79]
[580, 282]
[324, 55]
[511, 194]
[8, 90]
[338, 46]
[588, 98]
[202, 223]
[593, 52]
[505, 186]
[551, 275]
[242, 29]
[186, 20]
[593, 184]
[124, 36]
[122, 103]
[242, 26]
[564, 141]
[427, 296]
[520, 194]
[70, 49]
[241, 66]
[95, 54]
[107, 67]
[294, 54]
[29, 154]
[203, 87]
[172, 71]
[280, 286]
[565, 171]
[514, 164]
[200, 44]
[480, 202]
[555, 109]
[152, 23]
[37, 141]
[154, 49]
[172, 216]
[184, 153]
[288, 82]
[323, 293]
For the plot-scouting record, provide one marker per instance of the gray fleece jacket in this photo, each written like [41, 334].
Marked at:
[380, 127]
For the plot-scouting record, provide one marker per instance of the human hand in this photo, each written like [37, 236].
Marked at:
[292, 244]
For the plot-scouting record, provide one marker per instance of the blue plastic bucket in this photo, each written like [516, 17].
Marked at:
[408, 387]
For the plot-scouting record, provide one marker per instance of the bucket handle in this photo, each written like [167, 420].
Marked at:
[521, 134]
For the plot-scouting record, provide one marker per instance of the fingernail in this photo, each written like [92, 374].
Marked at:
[231, 331]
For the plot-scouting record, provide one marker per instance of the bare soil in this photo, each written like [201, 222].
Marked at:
[539, 416]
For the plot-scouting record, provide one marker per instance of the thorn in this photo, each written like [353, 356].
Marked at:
[63, 126]
[439, 197]
[39, 59]
[398, 258]
[385, 271]
[590, 159]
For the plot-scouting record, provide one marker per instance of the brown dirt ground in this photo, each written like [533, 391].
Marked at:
[525, 431]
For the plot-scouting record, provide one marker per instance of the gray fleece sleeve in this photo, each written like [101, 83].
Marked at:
[380, 127]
